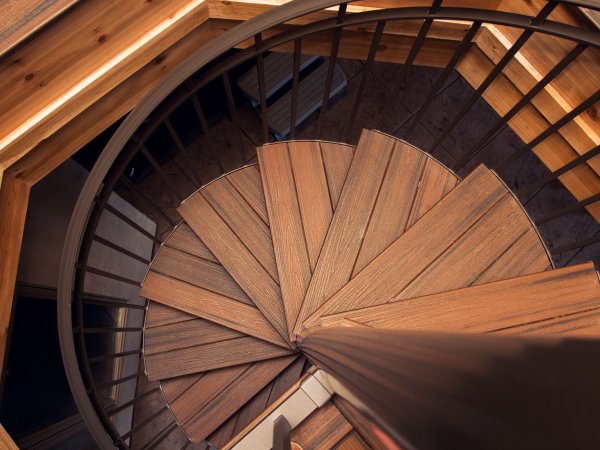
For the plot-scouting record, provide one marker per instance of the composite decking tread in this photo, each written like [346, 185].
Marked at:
[210, 306]
[487, 307]
[385, 189]
[158, 315]
[241, 241]
[299, 205]
[480, 197]
[199, 272]
[210, 356]
[190, 333]
[582, 324]
[184, 239]
[228, 401]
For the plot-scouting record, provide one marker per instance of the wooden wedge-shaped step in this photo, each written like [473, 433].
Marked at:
[301, 182]
[229, 224]
[210, 306]
[198, 345]
[500, 305]
[450, 247]
[216, 407]
[389, 186]
[184, 258]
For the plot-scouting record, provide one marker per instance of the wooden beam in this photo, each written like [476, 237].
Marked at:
[102, 44]
[555, 151]
[21, 18]
[6, 441]
[14, 196]
[55, 149]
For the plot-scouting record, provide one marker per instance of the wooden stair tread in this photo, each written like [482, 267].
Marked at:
[584, 324]
[211, 414]
[299, 205]
[210, 356]
[487, 307]
[478, 208]
[184, 239]
[381, 196]
[210, 306]
[241, 241]
[324, 428]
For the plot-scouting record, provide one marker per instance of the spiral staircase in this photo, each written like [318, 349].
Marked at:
[322, 234]
[336, 289]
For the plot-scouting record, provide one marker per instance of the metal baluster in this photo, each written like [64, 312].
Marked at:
[114, 356]
[233, 114]
[567, 209]
[110, 275]
[460, 50]
[262, 89]
[363, 80]
[335, 46]
[295, 83]
[550, 130]
[557, 173]
[120, 249]
[503, 121]
[133, 188]
[495, 72]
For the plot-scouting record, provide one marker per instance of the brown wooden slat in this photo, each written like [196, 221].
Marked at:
[174, 387]
[584, 324]
[247, 183]
[394, 203]
[241, 218]
[184, 239]
[421, 245]
[223, 434]
[269, 394]
[185, 334]
[286, 224]
[436, 182]
[227, 402]
[324, 428]
[461, 264]
[353, 442]
[199, 272]
[526, 255]
[235, 255]
[488, 307]
[158, 315]
[353, 211]
[210, 306]
[215, 355]
[199, 394]
[336, 159]
[403, 194]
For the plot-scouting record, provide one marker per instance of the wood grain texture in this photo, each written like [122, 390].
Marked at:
[223, 434]
[353, 211]
[184, 239]
[172, 388]
[421, 245]
[526, 255]
[227, 402]
[353, 442]
[411, 183]
[286, 224]
[102, 44]
[158, 314]
[297, 192]
[205, 389]
[269, 394]
[210, 306]
[214, 355]
[489, 307]
[199, 272]
[584, 324]
[471, 254]
[246, 268]
[324, 428]
[248, 183]
[14, 197]
[181, 335]
[336, 159]
[393, 206]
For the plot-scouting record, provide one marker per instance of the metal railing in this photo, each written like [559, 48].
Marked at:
[189, 83]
